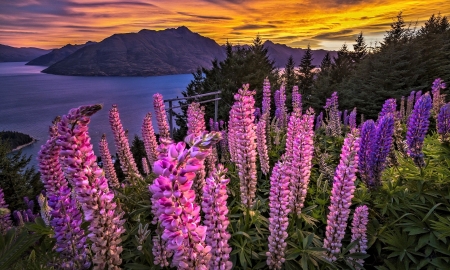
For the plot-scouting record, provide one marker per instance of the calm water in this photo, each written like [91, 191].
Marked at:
[30, 100]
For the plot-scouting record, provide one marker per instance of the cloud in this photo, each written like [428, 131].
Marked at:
[206, 17]
[340, 35]
[254, 26]
[313, 43]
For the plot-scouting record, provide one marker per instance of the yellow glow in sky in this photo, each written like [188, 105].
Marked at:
[323, 24]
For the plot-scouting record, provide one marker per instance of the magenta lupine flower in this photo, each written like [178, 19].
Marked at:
[402, 114]
[278, 220]
[5, 215]
[341, 195]
[345, 118]
[65, 217]
[145, 166]
[108, 165]
[438, 99]
[417, 128]
[296, 101]
[244, 137]
[195, 119]
[161, 117]
[91, 188]
[261, 140]
[389, 107]
[443, 123]
[359, 232]
[177, 210]
[368, 133]
[303, 152]
[410, 104]
[352, 119]
[149, 138]
[257, 113]
[266, 96]
[127, 162]
[334, 119]
[381, 147]
[214, 206]
[160, 254]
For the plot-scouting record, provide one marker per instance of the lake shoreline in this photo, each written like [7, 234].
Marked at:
[24, 145]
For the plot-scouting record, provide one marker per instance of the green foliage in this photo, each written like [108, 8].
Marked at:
[138, 150]
[14, 138]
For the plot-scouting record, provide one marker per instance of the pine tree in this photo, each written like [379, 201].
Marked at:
[342, 65]
[306, 75]
[290, 80]
[359, 49]
[397, 33]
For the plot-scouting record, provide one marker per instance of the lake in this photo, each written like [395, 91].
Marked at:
[30, 100]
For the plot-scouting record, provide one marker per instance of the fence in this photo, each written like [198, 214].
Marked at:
[170, 109]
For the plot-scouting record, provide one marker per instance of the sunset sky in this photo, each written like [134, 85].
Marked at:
[323, 24]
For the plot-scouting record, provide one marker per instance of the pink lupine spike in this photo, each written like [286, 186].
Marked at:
[108, 165]
[341, 195]
[161, 118]
[149, 138]
[359, 232]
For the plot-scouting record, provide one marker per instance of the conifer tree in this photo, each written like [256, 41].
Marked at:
[306, 75]
[290, 79]
[359, 49]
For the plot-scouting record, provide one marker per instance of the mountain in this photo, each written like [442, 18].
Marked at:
[146, 53]
[13, 54]
[279, 53]
[57, 55]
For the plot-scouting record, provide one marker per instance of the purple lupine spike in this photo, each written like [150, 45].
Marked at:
[65, 217]
[211, 124]
[359, 232]
[402, 113]
[381, 147]
[214, 206]
[5, 215]
[417, 128]
[296, 101]
[341, 196]
[334, 118]
[410, 104]
[196, 119]
[108, 165]
[418, 95]
[257, 113]
[127, 162]
[319, 120]
[389, 107]
[443, 123]
[438, 99]
[368, 133]
[278, 220]
[145, 166]
[266, 96]
[91, 188]
[261, 141]
[277, 104]
[345, 120]
[161, 117]
[352, 119]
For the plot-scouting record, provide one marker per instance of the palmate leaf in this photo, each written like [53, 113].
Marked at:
[442, 226]
[15, 244]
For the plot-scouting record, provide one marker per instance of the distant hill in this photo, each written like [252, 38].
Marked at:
[279, 53]
[146, 53]
[57, 55]
[13, 54]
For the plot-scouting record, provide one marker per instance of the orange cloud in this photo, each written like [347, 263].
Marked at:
[322, 24]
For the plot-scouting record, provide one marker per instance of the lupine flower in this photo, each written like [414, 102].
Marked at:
[5, 215]
[319, 121]
[410, 104]
[341, 196]
[108, 165]
[127, 162]
[352, 119]
[296, 101]
[177, 211]
[160, 254]
[145, 166]
[142, 235]
[161, 118]
[303, 152]
[345, 118]
[18, 218]
[261, 140]
[257, 113]
[402, 115]
[278, 220]
[443, 123]
[438, 99]
[418, 95]
[368, 133]
[280, 106]
[359, 232]
[381, 147]
[418, 127]
[91, 188]
[149, 138]
[244, 137]
[65, 217]
[266, 97]
[389, 107]
[334, 120]
[214, 206]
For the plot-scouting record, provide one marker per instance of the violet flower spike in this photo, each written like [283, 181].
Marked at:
[352, 119]
[149, 138]
[359, 232]
[381, 147]
[341, 195]
[161, 117]
[417, 128]
[266, 97]
[443, 123]
[410, 104]
[108, 165]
